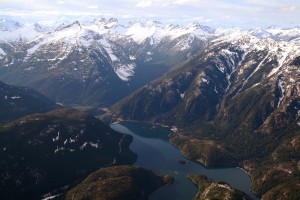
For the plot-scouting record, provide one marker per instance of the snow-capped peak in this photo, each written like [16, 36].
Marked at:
[145, 23]
[40, 28]
[73, 25]
[108, 36]
[141, 30]
[196, 26]
[277, 34]
[259, 32]
[8, 25]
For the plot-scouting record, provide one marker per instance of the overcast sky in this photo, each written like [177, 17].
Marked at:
[216, 13]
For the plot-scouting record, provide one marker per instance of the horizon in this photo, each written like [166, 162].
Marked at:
[245, 14]
[70, 20]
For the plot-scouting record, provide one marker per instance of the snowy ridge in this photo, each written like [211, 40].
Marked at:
[139, 31]
[8, 25]
[267, 59]
[286, 49]
[2, 53]
[121, 44]
[101, 34]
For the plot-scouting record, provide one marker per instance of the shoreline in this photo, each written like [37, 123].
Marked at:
[197, 161]
[249, 191]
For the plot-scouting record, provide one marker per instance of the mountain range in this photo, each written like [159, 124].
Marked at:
[96, 62]
[229, 93]
[100, 62]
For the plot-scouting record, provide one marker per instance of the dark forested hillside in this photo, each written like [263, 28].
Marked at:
[16, 101]
[45, 152]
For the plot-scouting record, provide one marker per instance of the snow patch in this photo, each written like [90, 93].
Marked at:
[34, 48]
[182, 95]
[58, 149]
[125, 72]
[215, 89]
[15, 97]
[106, 45]
[205, 80]
[56, 138]
[2, 53]
[51, 197]
[94, 145]
[72, 140]
[282, 90]
[132, 58]
[83, 146]
[29, 68]
[281, 61]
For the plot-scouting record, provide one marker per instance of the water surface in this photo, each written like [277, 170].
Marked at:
[154, 151]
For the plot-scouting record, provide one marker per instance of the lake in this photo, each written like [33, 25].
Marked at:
[150, 143]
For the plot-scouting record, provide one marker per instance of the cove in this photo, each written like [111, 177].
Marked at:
[150, 143]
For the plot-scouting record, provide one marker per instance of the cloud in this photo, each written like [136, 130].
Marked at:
[164, 3]
[208, 20]
[184, 2]
[208, 12]
[93, 7]
[127, 16]
[60, 1]
[144, 4]
[288, 8]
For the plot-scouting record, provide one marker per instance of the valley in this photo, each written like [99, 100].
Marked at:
[156, 153]
[233, 95]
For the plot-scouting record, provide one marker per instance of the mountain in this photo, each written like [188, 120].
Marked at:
[233, 92]
[207, 86]
[278, 33]
[100, 62]
[120, 182]
[243, 94]
[9, 25]
[44, 153]
[97, 62]
[16, 101]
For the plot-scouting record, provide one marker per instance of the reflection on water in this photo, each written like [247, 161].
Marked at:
[156, 153]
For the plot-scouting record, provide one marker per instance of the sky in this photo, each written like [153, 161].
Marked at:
[215, 13]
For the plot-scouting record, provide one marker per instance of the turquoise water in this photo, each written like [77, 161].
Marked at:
[154, 151]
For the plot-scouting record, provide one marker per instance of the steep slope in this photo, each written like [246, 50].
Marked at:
[18, 101]
[45, 152]
[95, 63]
[241, 93]
[62, 68]
[121, 182]
[188, 94]
[220, 81]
